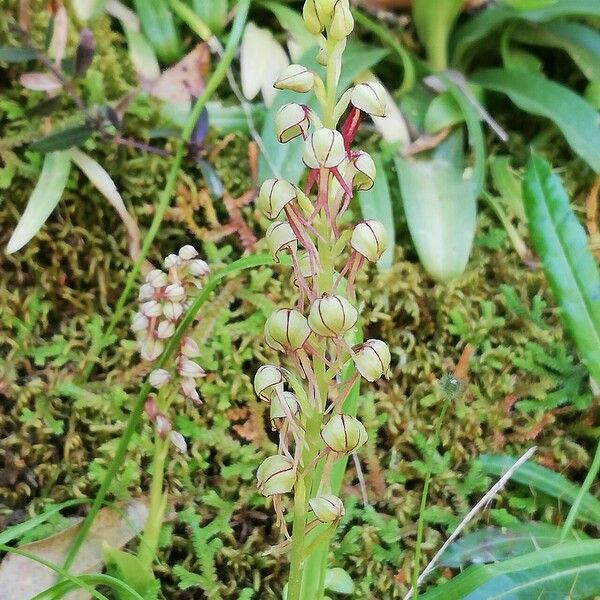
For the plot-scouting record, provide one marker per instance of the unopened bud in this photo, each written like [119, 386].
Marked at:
[280, 236]
[187, 252]
[291, 121]
[172, 310]
[199, 268]
[327, 508]
[162, 425]
[286, 329]
[172, 260]
[331, 316]
[296, 78]
[282, 405]
[189, 347]
[158, 378]
[344, 434]
[276, 475]
[188, 388]
[189, 368]
[139, 322]
[165, 329]
[157, 278]
[178, 441]
[370, 98]
[268, 380]
[146, 292]
[372, 359]
[151, 348]
[150, 309]
[151, 408]
[342, 21]
[324, 148]
[175, 292]
[274, 196]
[364, 171]
[369, 239]
[317, 14]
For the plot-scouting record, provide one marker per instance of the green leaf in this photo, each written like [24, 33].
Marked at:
[592, 94]
[159, 27]
[577, 120]
[293, 23]
[376, 203]
[508, 184]
[489, 19]
[543, 480]
[339, 581]
[63, 139]
[287, 158]
[43, 199]
[440, 207]
[581, 42]
[15, 54]
[529, 4]
[493, 544]
[561, 244]
[564, 571]
[129, 569]
[212, 12]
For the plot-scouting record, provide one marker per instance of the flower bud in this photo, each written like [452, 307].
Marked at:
[198, 268]
[344, 434]
[151, 309]
[369, 239]
[291, 121]
[165, 330]
[372, 359]
[317, 14]
[370, 98]
[172, 310]
[178, 441]
[296, 78]
[151, 408]
[139, 322]
[324, 148]
[189, 347]
[307, 267]
[146, 292]
[274, 195]
[327, 508]
[331, 316]
[156, 278]
[280, 236]
[172, 260]
[151, 348]
[188, 389]
[276, 475]
[342, 21]
[286, 329]
[268, 381]
[283, 405]
[158, 378]
[189, 368]
[364, 171]
[175, 292]
[187, 252]
[162, 425]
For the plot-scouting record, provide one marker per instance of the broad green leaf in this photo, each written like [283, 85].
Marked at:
[376, 203]
[63, 139]
[293, 23]
[592, 94]
[577, 120]
[440, 206]
[15, 54]
[286, 159]
[159, 27]
[492, 544]
[444, 111]
[43, 199]
[560, 242]
[581, 42]
[491, 18]
[129, 569]
[212, 12]
[339, 581]
[564, 571]
[543, 480]
[141, 54]
[529, 4]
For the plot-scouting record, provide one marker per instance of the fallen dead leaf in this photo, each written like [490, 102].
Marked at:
[40, 82]
[22, 578]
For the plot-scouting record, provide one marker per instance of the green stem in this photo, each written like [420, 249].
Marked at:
[583, 490]
[163, 202]
[423, 504]
[138, 407]
[157, 506]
